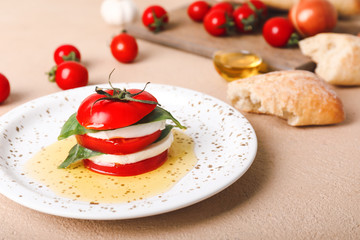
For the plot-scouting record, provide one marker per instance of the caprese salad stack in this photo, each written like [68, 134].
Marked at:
[119, 132]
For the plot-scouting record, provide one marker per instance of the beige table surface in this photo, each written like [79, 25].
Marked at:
[303, 184]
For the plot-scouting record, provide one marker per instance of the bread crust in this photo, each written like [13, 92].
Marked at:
[337, 57]
[299, 96]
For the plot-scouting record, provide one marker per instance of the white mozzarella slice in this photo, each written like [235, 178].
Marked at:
[138, 130]
[150, 151]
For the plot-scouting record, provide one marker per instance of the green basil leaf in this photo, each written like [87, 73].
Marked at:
[73, 127]
[164, 132]
[159, 114]
[77, 153]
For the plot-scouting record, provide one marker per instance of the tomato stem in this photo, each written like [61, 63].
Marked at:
[71, 57]
[158, 23]
[229, 24]
[293, 40]
[119, 95]
[258, 11]
[51, 74]
[249, 23]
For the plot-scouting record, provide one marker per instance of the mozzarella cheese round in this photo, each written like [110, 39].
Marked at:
[138, 130]
[150, 151]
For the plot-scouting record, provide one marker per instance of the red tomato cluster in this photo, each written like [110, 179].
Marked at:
[225, 18]
[307, 17]
[69, 72]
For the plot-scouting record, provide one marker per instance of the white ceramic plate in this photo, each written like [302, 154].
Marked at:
[36, 124]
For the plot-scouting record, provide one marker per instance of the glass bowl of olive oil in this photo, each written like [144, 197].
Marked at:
[235, 65]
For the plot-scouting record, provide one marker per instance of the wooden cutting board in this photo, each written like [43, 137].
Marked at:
[184, 34]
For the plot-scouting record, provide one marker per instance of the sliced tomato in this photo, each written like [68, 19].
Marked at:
[130, 169]
[98, 114]
[118, 146]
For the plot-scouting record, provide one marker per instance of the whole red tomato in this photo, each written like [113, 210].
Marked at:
[197, 10]
[66, 52]
[4, 88]
[124, 48]
[245, 18]
[155, 18]
[311, 17]
[110, 114]
[226, 6]
[218, 23]
[279, 32]
[258, 7]
[71, 74]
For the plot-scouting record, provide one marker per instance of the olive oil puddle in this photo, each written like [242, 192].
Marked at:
[79, 183]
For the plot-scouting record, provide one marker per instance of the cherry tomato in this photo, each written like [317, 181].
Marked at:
[197, 10]
[124, 48]
[130, 169]
[245, 18]
[226, 6]
[311, 17]
[258, 7]
[117, 146]
[279, 32]
[155, 18]
[71, 74]
[109, 114]
[66, 52]
[218, 23]
[4, 88]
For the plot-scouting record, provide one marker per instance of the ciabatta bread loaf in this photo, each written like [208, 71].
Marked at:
[344, 7]
[299, 96]
[337, 57]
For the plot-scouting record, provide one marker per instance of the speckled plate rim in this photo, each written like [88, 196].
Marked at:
[221, 121]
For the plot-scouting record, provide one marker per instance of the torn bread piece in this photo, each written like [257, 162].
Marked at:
[337, 56]
[299, 96]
